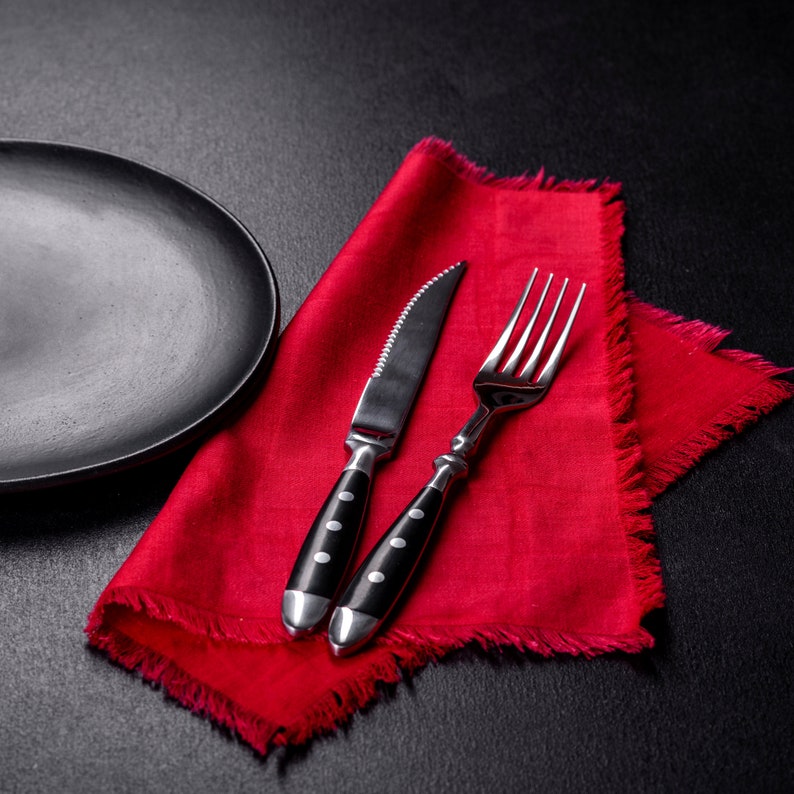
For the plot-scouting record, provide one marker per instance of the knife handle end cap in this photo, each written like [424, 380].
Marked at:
[302, 612]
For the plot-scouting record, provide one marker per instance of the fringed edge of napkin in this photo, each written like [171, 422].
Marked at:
[763, 397]
[195, 620]
[445, 152]
[325, 717]
[200, 698]
[407, 649]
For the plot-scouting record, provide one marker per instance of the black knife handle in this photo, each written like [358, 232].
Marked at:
[329, 544]
[380, 580]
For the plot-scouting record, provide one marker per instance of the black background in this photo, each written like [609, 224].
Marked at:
[294, 115]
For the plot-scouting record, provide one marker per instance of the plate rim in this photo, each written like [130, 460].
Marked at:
[251, 377]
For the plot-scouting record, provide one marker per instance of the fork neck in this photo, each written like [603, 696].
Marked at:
[465, 442]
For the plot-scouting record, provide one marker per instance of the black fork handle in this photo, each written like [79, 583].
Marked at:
[377, 585]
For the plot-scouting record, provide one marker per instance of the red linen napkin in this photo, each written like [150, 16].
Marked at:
[547, 546]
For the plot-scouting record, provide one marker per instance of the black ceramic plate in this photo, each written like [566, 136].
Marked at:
[134, 310]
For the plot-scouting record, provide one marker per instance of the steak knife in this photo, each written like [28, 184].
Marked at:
[377, 422]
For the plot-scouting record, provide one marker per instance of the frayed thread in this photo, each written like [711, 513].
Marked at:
[766, 394]
[702, 335]
[634, 499]
[407, 649]
[427, 644]
[192, 619]
[191, 693]
[444, 152]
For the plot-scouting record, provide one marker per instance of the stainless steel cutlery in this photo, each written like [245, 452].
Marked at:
[499, 387]
[508, 380]
[377, 422]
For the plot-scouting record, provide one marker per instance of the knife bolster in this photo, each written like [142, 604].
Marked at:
[365, 451]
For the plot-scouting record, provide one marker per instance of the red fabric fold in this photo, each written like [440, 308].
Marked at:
[547, 546]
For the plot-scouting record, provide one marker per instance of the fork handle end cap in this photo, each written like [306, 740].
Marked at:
[349, 629]
[302, 612]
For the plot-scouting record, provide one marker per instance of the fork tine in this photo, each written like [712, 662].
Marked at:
[512, 362]
[532, 363]
[549, 370]
[495, 356]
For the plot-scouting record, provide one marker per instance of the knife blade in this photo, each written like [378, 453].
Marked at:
[377, 422]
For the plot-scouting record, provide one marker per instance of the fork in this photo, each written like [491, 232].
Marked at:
[380, 580]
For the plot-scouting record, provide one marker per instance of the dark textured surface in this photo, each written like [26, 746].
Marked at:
[294, 115]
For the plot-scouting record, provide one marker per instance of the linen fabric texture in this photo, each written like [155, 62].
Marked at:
[547, 546]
